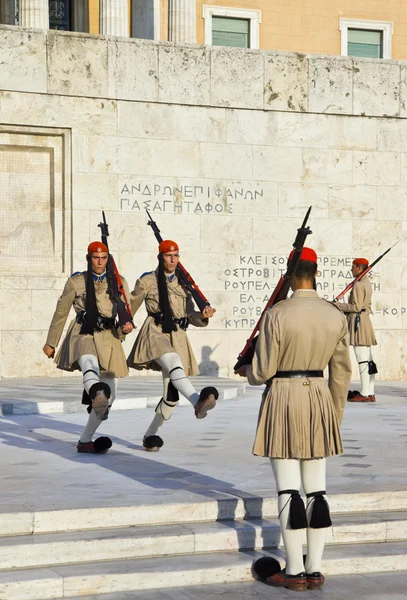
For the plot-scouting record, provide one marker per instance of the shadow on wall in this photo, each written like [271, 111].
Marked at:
[207, 366]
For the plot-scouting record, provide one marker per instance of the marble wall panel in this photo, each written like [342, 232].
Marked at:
[222, 160]
[16, 310]
[294, 199]
[27, 49]
[351, 133]
[22, 354]
[330, 85]
[226, 235]
[392, 203]
[374, 237]
[95, 191]
[327, 166]
[211, 351]
[77, 65]
[125, 233]
[230, 84]
[353, 202]
[43, 307]
[81, 227]
[277, 163]
[376, 168]
[376, 88]
[200, 124]
[251, 127]
[387, 311]
[403, 90]
[393, 355]
[391, 135]
[184, 74]
[302, 130]
[132, 69]
[286, 81]
[145, 120]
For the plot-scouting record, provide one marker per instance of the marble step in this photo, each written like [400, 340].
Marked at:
[175, 571]
[138, 542]
[64, 396]
[225, 507]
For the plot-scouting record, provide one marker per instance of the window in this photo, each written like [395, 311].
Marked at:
[370, 39]
[59, 14]
[230, 32]
[236, 27]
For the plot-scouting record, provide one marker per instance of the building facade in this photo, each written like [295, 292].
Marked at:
[376, 29]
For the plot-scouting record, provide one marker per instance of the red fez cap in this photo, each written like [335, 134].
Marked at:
[361, 261]
[306, 254]
[168, 246]
[97, 247]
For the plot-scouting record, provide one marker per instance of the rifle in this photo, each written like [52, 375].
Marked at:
[280, 292]
[350, 286]
[116, 287]
[183, 276]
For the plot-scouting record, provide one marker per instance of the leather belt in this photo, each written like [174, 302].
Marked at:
[291, 374]
[158, 317]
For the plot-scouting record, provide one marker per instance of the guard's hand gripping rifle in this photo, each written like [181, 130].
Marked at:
[280, 292]
[115, 281]
[183, 276]
[369, 268]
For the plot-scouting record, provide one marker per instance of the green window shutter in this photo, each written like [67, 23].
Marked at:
[230, 32]
[366, 43]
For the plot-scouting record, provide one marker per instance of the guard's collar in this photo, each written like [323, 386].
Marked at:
[97, 278]
[170, 276]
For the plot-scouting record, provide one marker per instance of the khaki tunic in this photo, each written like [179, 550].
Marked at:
[105, 345]
[300, 417]
[360, 299]
[151, 342]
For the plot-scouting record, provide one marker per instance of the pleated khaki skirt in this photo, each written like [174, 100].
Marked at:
[297, 419]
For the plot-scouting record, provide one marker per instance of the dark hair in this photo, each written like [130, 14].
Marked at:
[306, 269]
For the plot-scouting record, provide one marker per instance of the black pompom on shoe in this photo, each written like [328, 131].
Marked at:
[207, 401]
[265, 567]
[153, 443]
[102, 444]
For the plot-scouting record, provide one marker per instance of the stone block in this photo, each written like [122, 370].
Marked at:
[95, 191]
[84, 233]
[184, 74]
[211, 349]
[199, 123]
[43, 307]
[251, 127]
[95, 154]
[376, 88]
[294, 199]
[254, 197]
[226, 234]
[376, 168]
[327, 166]
[145, 120]
[286, 81]
[374, 237]
[133, 69]
[124, 234]
[330, 85]
[23, 60]
[387, 314]
[403, 90]
[391, 135]
[392, 203]
[393, 357]
[237, 78]
[77, 65]
[302, 130]
[226, 161]
[22, 353]
[353, 202]
[16, 310]
[277, 164]
[353, 133]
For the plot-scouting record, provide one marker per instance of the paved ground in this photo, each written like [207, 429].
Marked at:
[382, 586]
[40, 468]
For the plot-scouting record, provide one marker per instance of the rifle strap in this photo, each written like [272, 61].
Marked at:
[168, 324]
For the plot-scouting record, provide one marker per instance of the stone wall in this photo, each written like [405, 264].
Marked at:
[226, 147]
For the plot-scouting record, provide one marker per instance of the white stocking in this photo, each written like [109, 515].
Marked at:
[287, 475]
[364, 354]
[313, 474]
[171, 363]
[164, 409]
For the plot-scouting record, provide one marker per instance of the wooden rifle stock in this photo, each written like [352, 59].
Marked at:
[280, 292]
[181, 271]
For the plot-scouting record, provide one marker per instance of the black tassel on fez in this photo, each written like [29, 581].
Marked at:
[297, 517]
[320, 516]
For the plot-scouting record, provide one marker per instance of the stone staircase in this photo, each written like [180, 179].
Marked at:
[111, 550]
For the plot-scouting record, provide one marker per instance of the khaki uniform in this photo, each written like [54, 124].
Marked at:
[360, 303]
[151, 342]
[106, 345]
[300, 418]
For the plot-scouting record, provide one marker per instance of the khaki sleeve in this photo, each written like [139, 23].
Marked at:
[193, 315]
[137, 296]
[356, 300]
[126, 290]
[265, 360]
[61, 313]
[340, 372]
